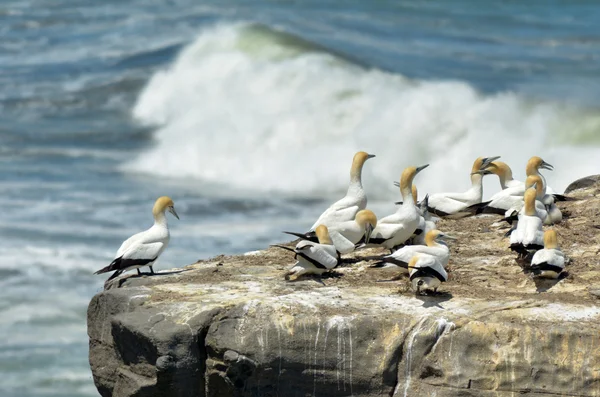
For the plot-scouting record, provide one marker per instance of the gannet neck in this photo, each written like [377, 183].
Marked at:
[539, 185]
[477, 181]
[550, 239]
[357, 165]
[323, 235]
[503, 171]
[160, 219]
[406, 186]
[355, 187]
[529, 198]
[415, 193]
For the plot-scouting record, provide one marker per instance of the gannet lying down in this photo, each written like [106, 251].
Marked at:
[395, 229]
[444, 204]
[426, 273]
[528, 235]
[346, 235]
[550, 261]
[313, 258]
[436, 247]
[144, 248]
[355, 200]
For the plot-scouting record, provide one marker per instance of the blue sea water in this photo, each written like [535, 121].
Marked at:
[247, 113]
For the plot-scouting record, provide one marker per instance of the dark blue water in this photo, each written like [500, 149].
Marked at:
[226, 106]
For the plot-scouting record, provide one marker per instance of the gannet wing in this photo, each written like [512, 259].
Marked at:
[341, 243]
[319, 254]
[336, 214]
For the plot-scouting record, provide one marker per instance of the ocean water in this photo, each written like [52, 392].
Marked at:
[247, 113]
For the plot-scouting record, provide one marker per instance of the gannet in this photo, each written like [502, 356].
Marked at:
[550, 261]
[436, 246]
[395, 229]
[528, 235]
[444, 204]
[144, 248]
[426, 273]
[313, 258]
[355, 200]
[346, 235]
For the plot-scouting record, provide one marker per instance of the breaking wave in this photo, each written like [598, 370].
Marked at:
[254, 108]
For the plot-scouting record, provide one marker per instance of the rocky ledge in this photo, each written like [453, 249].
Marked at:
[232, 326]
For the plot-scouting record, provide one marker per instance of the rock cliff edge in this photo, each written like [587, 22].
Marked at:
[232, 326]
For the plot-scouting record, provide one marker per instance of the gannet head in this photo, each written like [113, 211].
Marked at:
[435, 236]
[163, 204]
[481, 163]
[499, 168]
[357, 163]
[367, 220]
[535, 163]
[529, 199]
[406, 180]
[550, 239]
[323, 235]
[535, 181]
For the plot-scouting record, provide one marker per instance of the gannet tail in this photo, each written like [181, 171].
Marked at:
[483, 208]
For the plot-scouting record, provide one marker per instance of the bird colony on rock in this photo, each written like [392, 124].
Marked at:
[417, 249]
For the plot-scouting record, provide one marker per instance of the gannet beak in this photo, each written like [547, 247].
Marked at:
[487, 161]
[482, 172]
[368, 231]
[396, 183]
[399, 202]
[421, 168]
[172, 211]
[447, 237]
[370, 156]
[533, 186]
[547, 166]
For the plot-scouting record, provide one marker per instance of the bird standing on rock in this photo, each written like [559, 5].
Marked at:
[144, 248]
[355, 200]
[395, 229]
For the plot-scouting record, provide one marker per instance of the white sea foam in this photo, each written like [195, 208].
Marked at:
[253, 108]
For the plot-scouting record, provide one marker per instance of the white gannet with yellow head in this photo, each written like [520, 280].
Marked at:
[436, 247]
[355, 200]
[550, 261]
[528, 235]
[426, 273]
[144, 248]
[444, 204]
[313, 258]
[346, 235]
[395, 229]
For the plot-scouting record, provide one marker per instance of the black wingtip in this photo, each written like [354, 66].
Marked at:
[310, 236]
[283, 247]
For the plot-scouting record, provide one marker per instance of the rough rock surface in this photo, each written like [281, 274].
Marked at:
[231, 326]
